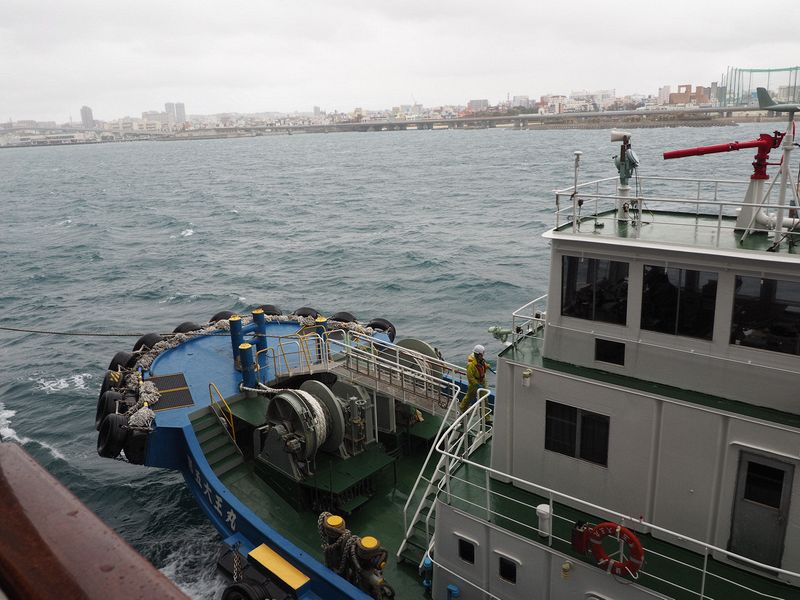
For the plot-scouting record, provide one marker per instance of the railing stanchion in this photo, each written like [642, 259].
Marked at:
[488, 498]
[705, 571]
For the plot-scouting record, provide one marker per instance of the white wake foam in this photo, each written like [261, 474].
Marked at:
[8, 434]
[49, 386]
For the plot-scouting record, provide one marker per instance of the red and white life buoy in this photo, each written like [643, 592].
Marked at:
[632, 564]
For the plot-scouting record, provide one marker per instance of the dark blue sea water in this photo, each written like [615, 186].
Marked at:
[438, 231]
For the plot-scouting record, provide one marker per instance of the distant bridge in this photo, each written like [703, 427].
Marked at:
[518, 121]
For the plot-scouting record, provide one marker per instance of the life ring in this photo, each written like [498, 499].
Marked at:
[632, 564]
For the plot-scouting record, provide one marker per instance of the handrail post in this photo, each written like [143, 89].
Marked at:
[705, 571]
[488, 498]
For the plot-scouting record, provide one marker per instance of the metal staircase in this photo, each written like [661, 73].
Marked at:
[460, 436]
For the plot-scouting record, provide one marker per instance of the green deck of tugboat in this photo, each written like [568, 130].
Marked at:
[679, 228]
[663, 561]
[381, 516]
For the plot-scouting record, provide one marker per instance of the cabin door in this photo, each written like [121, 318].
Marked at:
[761, 508]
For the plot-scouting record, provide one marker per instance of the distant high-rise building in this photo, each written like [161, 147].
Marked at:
[180, 112]
[169, 108]
[86, 117]
[523, 101]
[663, 94]
[317, 111]
[477, 105]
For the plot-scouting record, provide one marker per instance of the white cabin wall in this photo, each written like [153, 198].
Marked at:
[505, 402]
[671, 462]
[629, 453]
[690, 450]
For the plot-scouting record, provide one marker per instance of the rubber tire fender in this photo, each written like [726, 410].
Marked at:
[108, 384]
[270, 310]
[384, 325]
[147, 341]
[221, 316]
[245, 591]
[344, 316]
[106, 404]
[113, 433]
[122, 359]
[306, 311]
[135, 447]
[186, 327]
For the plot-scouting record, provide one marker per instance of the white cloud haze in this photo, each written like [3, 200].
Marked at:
[122, 57]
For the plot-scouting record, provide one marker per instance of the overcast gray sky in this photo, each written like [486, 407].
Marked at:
[122, 58]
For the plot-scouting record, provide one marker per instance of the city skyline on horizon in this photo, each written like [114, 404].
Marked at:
[312, 109]
[278, 57]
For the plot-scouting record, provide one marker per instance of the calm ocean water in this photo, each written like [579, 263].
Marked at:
[438, 231]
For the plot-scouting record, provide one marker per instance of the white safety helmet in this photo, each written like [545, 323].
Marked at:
[478, 349]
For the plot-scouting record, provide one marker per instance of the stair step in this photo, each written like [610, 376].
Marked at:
[235, 474]
[349, 506]
[412, 555]
[204, 422]
[211, 432]
[214, 443]
[220, 454]
[228, 464]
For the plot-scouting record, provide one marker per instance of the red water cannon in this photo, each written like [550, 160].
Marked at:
[764, 143]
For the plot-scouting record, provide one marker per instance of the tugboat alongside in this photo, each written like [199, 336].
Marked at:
[642, 442]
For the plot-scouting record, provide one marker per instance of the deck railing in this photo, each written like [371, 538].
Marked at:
[412, 375]
[713, 202]
[450, 447]
[529, 320]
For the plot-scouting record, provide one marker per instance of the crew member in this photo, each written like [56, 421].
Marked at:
[476, 376]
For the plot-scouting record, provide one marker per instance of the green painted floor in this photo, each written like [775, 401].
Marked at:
[682, 228]
[381, 517]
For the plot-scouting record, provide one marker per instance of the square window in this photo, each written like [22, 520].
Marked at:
[508, 570]
[610, 352]
[764, 484]
[466, 551]
[577, 433]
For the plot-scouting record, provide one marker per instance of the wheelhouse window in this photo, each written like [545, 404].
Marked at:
[594, 289]
[576, 432]
[679, 301]
[766, 314]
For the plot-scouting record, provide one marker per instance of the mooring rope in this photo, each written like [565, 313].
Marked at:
[76, 333]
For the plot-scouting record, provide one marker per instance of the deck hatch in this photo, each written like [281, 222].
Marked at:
[173, 390]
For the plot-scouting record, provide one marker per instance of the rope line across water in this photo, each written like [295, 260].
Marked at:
[100, 334]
